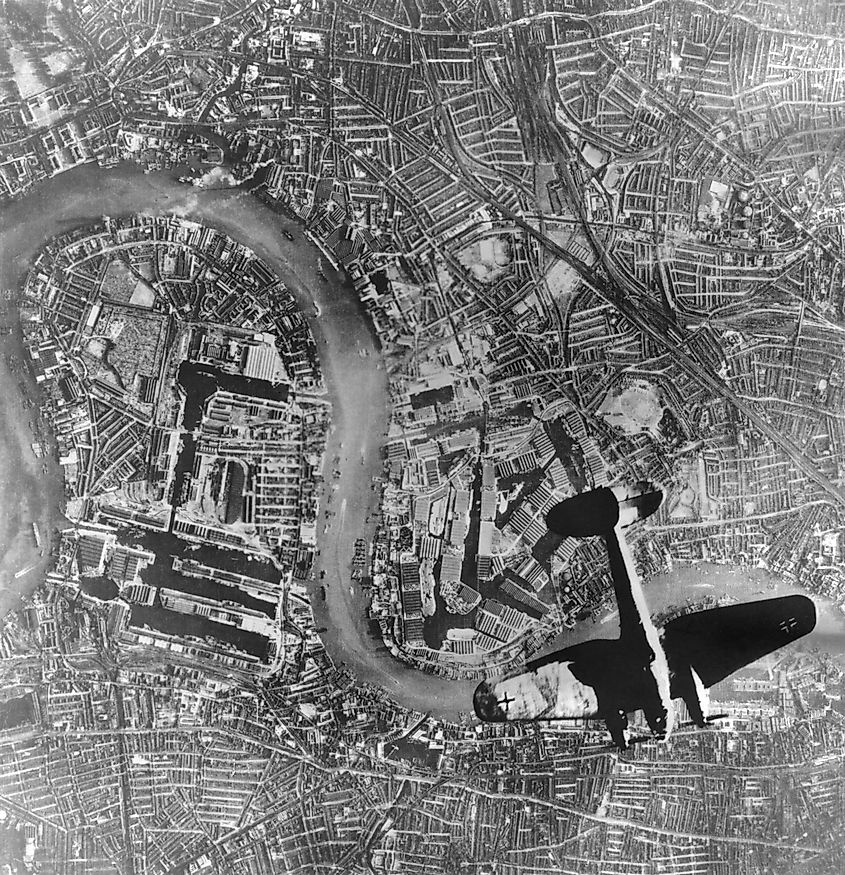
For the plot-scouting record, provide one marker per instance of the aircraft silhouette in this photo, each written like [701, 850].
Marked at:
[644, 669]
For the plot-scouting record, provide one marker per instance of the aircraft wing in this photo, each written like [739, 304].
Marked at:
[718, 642]
[549, 692]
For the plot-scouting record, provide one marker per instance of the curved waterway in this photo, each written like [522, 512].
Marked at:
[357, 387]
[349, 358]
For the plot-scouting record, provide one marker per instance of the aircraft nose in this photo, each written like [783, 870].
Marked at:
[486, 704]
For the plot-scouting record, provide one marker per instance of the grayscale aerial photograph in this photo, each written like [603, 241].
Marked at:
[422, 437]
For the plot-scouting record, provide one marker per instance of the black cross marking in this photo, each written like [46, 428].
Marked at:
[787, 626]
[505, 701]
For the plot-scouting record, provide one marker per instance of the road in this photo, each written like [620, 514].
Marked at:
[357, 387]
[356, 383]
[623, 293]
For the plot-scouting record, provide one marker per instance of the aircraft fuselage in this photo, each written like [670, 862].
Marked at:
[642, 669]
[606, 679]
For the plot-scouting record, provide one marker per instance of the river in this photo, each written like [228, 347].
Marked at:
[356, 383]
[357, 386]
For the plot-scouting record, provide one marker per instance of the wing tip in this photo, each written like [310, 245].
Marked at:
[803, 609]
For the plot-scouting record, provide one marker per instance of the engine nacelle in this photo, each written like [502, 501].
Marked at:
[599, 511]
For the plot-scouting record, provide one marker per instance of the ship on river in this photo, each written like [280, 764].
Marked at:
[25, 570]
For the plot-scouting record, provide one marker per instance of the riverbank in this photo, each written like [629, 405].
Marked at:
[745, 584]
[32, 488]
[697, 580]
[357, 384]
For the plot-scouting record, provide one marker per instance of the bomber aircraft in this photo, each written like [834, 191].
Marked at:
[644, 669]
